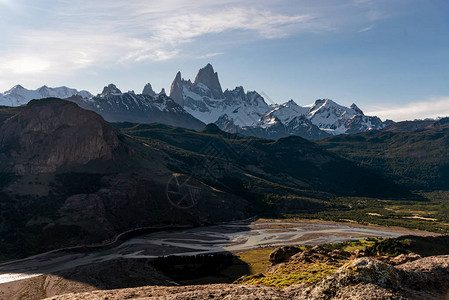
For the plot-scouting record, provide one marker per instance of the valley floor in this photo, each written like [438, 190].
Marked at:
[131, 264]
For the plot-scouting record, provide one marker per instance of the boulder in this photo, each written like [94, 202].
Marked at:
[283, 254]
[360, 253]
[404, 258]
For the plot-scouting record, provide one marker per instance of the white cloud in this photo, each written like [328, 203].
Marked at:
[183, 28]
[62, 37]
[55, 52]
[209, 55]
[368, 28]
[434, 107]
[167, 36]
[25, 65]
[108, 32]
[6, 3]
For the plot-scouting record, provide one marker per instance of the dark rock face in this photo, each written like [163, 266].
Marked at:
[427, 274]
[206, 85]
[139, 108]
[302, 127]
[176, 89]
[227, 124]
[148, 90]
[209, 78]
[110, 89]
[357, 109]
[283, 254]
[51, 133]
[359, 124]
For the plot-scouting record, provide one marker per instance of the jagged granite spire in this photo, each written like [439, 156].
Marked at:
[148, 90]
[209, 78]
[176, 89]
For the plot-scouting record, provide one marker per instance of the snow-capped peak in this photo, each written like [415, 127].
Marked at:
[111, 89]
[18, 95]
[17, 87]
[327, 115]
[290, 103]
[206, 101]
[287, 111]
[357, 109]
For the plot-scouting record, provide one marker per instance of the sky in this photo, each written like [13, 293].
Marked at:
[390, 57]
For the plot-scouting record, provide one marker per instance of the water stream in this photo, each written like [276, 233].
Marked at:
[231, 237]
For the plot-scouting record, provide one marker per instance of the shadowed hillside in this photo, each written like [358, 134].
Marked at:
[69, 177]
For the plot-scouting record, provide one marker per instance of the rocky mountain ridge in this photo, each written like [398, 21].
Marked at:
[247, 112]
[203, 101]
[49, 134]
[148, 107]
[362, 278]
[18, 95]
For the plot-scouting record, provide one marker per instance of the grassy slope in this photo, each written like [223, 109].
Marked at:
[413, 156]
[416, 158]
[429, 215]
[288, 164]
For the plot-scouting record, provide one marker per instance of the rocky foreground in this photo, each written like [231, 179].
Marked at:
[361, 278]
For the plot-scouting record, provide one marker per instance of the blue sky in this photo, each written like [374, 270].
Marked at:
[390, 57]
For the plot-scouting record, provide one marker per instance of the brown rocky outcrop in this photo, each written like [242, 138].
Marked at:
[404, 258]
[51, 133]
[363, 278]
[283, 254]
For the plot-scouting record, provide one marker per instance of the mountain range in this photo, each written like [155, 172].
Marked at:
[148, 107]
[247, 112]
[19, 95]
[193, 104]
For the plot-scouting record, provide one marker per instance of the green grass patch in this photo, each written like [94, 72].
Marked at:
[430, 214]
[294, 273]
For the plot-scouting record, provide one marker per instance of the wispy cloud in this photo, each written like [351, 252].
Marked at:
[167, 36]
[106, 31]
[434, 107]
[7, 3]
[209, 55]
[62, 36]
[368, 28]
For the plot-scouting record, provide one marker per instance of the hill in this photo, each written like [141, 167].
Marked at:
[70, 178]
[413, 153]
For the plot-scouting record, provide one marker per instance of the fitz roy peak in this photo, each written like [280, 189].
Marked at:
[247, 112]
[205, 100]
